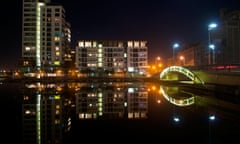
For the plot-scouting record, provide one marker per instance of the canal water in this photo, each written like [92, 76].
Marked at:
[72, 113]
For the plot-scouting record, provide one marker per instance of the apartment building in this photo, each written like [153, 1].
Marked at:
[45, 36]
[115, 57]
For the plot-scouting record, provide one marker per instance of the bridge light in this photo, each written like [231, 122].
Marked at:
[181, 70]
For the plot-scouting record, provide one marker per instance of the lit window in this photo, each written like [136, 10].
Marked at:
[136, 44]
[27, 48]
[56, 38]
[88, 44]
[130, 44]
[81, 44]
[143, 44]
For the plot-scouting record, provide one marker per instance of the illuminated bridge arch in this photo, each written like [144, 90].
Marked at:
[183, 71]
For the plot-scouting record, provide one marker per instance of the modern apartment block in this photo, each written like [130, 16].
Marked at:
[112, 57]
[45, 36]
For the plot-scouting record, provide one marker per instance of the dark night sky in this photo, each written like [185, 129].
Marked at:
[161, 23]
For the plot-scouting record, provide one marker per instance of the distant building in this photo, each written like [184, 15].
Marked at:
[104, 57]
[194, 54]
[227, 37]
[45, 36]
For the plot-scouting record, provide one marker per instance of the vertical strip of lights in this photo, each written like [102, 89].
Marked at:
[38, 35]
[100, 103]
[38, 118]
[100, 58]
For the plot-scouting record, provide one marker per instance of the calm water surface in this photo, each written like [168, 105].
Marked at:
[69, 113]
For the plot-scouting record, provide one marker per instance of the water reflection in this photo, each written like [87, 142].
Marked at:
[112, 100]
[45, 113]
[177, 96]
[56, 113]
[48, 109]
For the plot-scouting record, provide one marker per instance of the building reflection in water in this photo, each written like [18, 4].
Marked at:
[48, 109]
[111, 100]
[45, 113]
[50, 112]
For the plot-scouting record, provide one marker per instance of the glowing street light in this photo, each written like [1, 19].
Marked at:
[211, 26]
[182, 58]
[158, 58]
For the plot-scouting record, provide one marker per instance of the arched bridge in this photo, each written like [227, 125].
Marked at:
[182, 70]
[200, 76]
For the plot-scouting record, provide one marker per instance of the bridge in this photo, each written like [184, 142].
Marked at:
[201, 76]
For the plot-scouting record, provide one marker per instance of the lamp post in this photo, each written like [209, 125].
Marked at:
[158, 63]
[176, 45]
[210, 45]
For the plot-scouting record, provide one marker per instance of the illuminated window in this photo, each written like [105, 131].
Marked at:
[57, 106]
[88, 44]
[57, 112]
[94, 44]
[120, 44]
[100, 45]
[143, 44]
[81, 44]
[56, 38]
[57, 121]
[136, 44]
[130, 44]
[27, 48]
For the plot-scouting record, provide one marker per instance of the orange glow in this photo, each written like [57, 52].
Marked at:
[153, 88]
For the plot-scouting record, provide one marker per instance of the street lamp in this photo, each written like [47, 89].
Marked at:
[182, 58]
[210, 45]
[176, 45]
[157, 59]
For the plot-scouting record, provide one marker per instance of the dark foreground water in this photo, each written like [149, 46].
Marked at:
[75, 113]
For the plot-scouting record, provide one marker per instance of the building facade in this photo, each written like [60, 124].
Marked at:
[108, 57]
[226, 37]
[45, 36]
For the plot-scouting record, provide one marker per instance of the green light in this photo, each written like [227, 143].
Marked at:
[56, 97]
[57, 63]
